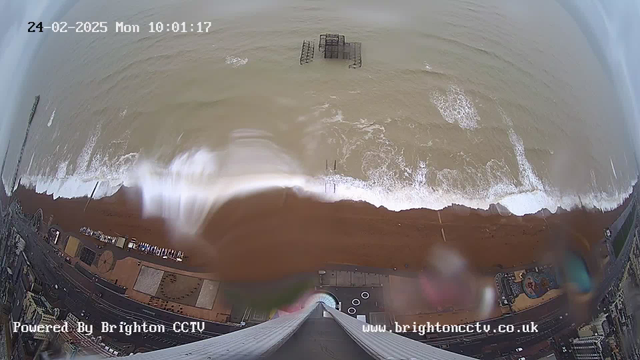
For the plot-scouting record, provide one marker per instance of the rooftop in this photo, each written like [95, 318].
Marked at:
[41, 303]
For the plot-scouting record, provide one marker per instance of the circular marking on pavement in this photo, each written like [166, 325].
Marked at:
[105, 262]
[351, 310]
[355, 302]
[364, 295]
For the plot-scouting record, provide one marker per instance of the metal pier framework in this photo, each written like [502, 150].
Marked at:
[307, 52]
[333, 46]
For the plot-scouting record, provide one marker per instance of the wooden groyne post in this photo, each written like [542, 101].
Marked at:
[91, 196]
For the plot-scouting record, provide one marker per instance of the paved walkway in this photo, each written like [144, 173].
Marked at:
[126, 271]
[127, 268]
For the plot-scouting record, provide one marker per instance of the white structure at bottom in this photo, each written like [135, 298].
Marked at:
[263, 340]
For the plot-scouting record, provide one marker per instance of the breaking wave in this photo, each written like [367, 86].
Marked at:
[236, 61]
[456, 106]
[53, 114]
[189, 188]
[195, 183]
[67, 179]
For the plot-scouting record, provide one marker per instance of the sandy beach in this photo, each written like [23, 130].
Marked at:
[272, 235]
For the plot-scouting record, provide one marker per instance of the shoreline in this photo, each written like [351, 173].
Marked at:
[278, 233]
[594, 201]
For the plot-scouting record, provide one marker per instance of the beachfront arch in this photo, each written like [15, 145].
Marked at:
[322, 297]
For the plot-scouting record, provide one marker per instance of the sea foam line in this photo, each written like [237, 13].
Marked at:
[456, 106]
[197, 182]
[236, 61]
[53, 114]
[185, 192]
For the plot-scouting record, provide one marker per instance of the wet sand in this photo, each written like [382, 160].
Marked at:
[276, 234]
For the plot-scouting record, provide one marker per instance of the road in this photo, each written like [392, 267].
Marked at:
[493, 345]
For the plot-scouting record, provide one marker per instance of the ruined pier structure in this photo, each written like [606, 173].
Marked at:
[333, 46]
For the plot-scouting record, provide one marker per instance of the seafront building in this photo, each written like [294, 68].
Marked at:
[611, 333]
[38, 311]
[588, 348]
[635, 260]
[74, 344]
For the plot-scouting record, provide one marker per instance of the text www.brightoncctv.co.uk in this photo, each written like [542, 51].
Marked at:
[429, 327]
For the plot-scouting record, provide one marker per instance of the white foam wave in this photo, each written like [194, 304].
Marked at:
[62, 170]
[197, 182]
[110, 176]
[455, 106]
[528, 177]
[30, 162]
[53, 114]
[418, 196]
[236, 61]
[107, 167]
[85, 154]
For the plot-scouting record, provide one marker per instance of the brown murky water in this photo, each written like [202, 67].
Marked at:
[470, 102]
